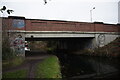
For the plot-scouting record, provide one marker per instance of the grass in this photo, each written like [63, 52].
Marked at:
[15, 74]
[12, 63]
[49, 68]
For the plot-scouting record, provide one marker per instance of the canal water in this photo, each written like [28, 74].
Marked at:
[79, 66]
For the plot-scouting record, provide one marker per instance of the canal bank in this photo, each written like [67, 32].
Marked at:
[37, 66]
[79, 66]
[102, 62]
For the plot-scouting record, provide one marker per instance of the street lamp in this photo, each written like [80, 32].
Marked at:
[91, 13]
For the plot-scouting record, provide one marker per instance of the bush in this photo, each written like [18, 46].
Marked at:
[112, 49]
[7, 52]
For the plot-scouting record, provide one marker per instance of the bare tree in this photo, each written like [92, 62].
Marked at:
[3, 9]
[45, 1]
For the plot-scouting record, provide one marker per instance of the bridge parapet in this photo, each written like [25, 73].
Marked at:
[22, 24]
[45, 25]
[106, 28]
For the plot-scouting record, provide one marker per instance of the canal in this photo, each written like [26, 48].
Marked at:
[81, 66]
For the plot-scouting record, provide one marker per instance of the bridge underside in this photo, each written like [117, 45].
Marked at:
[57, 38]
[59, 35]
[69, 43]
[65, 40]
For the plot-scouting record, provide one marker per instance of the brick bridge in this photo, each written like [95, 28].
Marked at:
[97, 33]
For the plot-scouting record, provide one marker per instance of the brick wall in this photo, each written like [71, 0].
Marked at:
[14, 23]
[52, 25]
[39, 25]
[45, 25]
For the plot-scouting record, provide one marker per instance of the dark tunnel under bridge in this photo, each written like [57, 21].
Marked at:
[68, 44]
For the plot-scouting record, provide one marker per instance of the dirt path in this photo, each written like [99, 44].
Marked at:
[29, 64]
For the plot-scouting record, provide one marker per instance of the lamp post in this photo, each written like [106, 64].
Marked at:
[91, 13]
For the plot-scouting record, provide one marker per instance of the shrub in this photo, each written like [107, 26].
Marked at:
[7, 52]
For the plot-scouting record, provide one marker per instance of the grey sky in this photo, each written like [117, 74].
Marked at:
[71, 10]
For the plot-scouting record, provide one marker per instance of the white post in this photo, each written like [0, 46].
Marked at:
[91, 14]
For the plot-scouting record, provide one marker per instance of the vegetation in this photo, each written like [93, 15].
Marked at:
[50, 47]
[16, 74]
[13, 62]
[38, 45]
[45, 46]
[7, 52]
[111, 49]
[49, 68]
[9, 56]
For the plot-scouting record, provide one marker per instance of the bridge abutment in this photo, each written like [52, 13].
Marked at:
[102, 39]
[17, 43]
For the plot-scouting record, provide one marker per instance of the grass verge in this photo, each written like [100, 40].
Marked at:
[49, 68]
[12, 63]
[16, 74]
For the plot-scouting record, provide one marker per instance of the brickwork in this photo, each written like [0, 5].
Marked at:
[42, 25]
[119, 12]
[35, 25]
[14, 23]
[52, 25]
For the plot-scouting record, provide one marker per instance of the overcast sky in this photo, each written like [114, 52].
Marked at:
[71, 10]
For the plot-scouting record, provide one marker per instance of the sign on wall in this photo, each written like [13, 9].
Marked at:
[17, 23]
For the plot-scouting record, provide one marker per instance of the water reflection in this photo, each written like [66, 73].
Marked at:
[85, 66]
